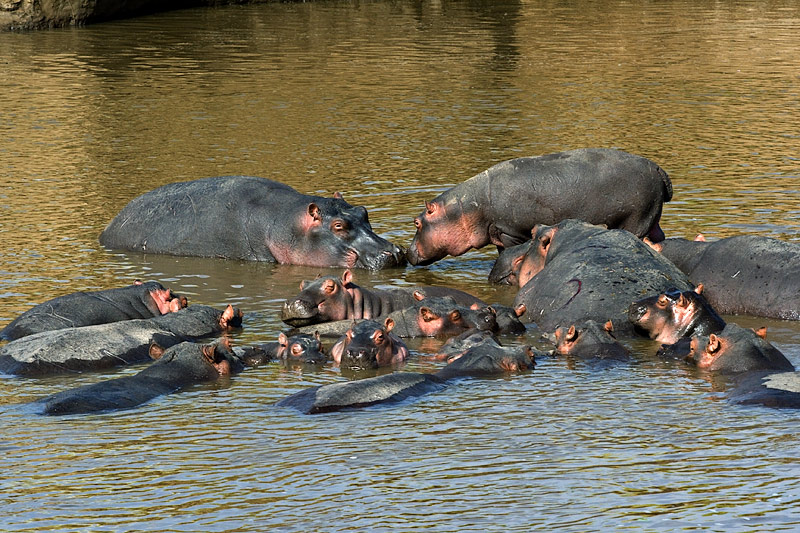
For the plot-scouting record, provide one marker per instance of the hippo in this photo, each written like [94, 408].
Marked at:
[369, 344]
[482, 358]
[506, 267]
[501, 205]
[139, 300]
[431, 317]
[674, 314]
[253, 219]
[290, 350]
[736, 350]
[746, 274]
[178, 367]
[329, 298]
[587, 272]
[117, 343]
[778, 390]
[590, 340]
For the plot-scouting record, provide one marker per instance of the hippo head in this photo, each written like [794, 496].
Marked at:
[736, 350]
[674, 314]
[322, 300]
[335, 233]
[445, 228]
[532, 262]
[368, 344]
[305, 349]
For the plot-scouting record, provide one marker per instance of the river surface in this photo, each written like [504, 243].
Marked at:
[391, 103]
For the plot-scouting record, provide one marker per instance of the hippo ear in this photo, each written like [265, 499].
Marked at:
[520, 310]
[347, 277]
[572, 334]
[761, 332]
[208, 353]
[699, 288]
[713, 344]
[338, 195]
[137, 282]
[283, 340]
[427, 314]
[609, 326]
[316, 336]
[156, 352]
[475, 307]
[419, 296]
[302, 284]
[700, 237]
[313, 212]
[227, 316]
[682, 301]
[388, 324]
[430, 207]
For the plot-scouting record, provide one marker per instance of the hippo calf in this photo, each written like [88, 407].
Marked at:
[590, 340]
[290, 350]
[674, 314]
[482, 358]
[178, 367]
[369, 344]
[502, 204]
[253, 219]
[107, 345]
[139, 300]
[736, 350]
[330, 298]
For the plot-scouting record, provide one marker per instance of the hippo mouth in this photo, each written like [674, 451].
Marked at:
[298, 314]
[396, 257]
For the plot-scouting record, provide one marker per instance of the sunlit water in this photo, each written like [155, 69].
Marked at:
[391, 103]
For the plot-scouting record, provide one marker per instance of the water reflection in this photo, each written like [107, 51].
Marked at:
[391, 103]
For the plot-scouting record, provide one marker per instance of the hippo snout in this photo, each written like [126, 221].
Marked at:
[298, 313]
[636, 312]
[393, 257]
[361, 357]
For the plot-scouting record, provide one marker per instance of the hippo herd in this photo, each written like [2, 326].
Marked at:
[577, 233]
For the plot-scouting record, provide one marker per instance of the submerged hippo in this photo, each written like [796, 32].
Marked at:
[139, 300]
[330, 298]
[368, 344]
[674, 314]
[505, 270]
[502, 204]
[484, 357]
[736, 350]
[178, 367]
[746, 274]
[290, 350]
[590, 340]
[107, 345]
[431, 317]
[250, 218]
[581, 272]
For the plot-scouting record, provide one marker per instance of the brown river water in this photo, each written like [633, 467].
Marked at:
[391, 103]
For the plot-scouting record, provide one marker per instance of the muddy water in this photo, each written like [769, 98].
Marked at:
[391, 103]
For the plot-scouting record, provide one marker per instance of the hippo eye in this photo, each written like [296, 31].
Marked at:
[672, 294]
[455, 315]
[297, 349]
[379, 338]
[663, 300]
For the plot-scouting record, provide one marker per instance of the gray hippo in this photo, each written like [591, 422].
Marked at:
[139, 300]
[581, 272]
[502, 204]
[250, 218]
[330, 298]
[476, 355]
[176, 368]
[673, 314]
[746, 274]
[107, 345]
[301, 349]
